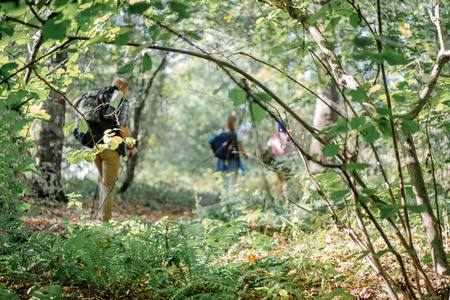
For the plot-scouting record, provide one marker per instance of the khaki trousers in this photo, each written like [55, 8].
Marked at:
[108, 163]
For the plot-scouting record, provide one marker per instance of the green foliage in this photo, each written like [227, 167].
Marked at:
[160, 260]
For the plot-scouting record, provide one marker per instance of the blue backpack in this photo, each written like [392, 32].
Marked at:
[225, 145]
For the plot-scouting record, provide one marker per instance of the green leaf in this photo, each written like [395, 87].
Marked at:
[390, 41]
[334, 293]
[8, 294]
[23, 206]
[194, 35]
[326, 10]
[427, 258]
[147, 62]
[83, 126]
[369, 191]
[410, 126]
[357, 122]
[179, 8]
[363, 42]
[340, 278]
[69, 126]
[417, 208]
[263, 97]
[332, 271]
[122, 39]
[340, 127]
[48, 292]
[363, 199]
[213, 5]
[399, 98]
[354, 166]
[6, 28]
[355, 21]
[383, 111]
[138, 8]
[387, 211]
[257, 112]
[283, 294]
[55, 31]
[370, 134]
[379, 254]
[401, 85]
[238, 96]
[18, 190]
[393, 58]
[7, 69]
[97, 40]
[224, 85]
[330, 150]
[277, 50]
[357, 95]
[157, 4]
[336, 195]
[126, 68]
[385, 127]
[75, 156]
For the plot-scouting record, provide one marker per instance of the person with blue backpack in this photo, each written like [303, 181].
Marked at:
[227, 146]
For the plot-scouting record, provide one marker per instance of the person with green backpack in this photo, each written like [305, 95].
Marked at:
[106, 108]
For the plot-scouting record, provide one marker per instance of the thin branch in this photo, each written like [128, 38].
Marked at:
[30, 6]
[393, 133]
[295, 81]
[62, 46]
[22, 22]
[442, 58]
[68, 101]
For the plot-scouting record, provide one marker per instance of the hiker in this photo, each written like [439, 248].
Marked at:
[108, 161]
[280, 144]
[230, 167]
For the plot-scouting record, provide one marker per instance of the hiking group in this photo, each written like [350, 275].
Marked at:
[106, 112]
[228, 145]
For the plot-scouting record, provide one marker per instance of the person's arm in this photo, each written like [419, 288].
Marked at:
[124, 132]
[241, 146]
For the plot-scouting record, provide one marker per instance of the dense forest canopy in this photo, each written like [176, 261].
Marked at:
[360, 87]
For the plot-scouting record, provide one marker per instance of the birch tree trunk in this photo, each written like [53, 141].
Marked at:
[50, 146]
[429, 220]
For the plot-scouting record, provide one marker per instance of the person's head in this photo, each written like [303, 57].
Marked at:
[122, 84]
[231, 123]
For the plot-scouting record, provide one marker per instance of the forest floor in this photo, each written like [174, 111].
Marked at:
[362, 282]
[47, 216]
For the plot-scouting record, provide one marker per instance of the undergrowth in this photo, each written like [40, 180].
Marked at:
[136, 259]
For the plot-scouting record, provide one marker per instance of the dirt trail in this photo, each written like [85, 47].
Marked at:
[47, 216]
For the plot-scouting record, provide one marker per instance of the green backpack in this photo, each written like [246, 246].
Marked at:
[98, 106]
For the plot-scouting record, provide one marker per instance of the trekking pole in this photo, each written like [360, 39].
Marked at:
[109, 192]
[95, 195]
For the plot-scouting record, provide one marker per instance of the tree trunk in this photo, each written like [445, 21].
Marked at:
[50, 145]
[429, 220]
[324, 116]
[132, 164]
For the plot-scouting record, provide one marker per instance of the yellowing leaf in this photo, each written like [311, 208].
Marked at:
[117, 140]
[392, 75]
[440, 106]
[375, 88]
